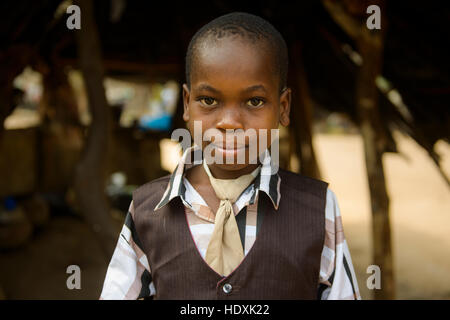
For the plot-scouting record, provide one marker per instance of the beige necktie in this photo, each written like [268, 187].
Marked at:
[225, 250]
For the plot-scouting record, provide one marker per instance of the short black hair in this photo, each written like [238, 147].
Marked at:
[249, 27]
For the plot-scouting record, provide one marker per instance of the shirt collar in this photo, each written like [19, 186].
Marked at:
[265, 181]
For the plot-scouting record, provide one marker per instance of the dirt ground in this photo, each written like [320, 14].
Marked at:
[420, 215]
[38, 270]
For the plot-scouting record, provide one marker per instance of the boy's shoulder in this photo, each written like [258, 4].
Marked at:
[150, 192]
[299, 182]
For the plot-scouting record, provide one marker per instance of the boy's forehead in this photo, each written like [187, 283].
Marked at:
[234, 60]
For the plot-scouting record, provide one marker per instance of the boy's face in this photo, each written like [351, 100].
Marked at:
[234, 85]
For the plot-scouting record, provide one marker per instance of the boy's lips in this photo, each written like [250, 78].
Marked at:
[225, 147]
[227, 150]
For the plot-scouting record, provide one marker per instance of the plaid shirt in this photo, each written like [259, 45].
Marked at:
[129, 273]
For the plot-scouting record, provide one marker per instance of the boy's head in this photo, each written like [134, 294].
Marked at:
[249, 28]
[236, 70]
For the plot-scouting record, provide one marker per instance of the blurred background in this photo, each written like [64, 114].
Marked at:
[86, 116]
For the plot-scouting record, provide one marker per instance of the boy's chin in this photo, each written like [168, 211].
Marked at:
[236, 163]
[231, 167]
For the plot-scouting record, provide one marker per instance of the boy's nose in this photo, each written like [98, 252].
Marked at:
[230, 118]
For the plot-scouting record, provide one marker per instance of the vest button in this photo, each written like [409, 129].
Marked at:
[227, 288]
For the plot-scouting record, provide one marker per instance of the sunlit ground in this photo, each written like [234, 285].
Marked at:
[420, 211]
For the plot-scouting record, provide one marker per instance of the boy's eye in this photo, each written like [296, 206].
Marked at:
[208, 101]
[255, 102]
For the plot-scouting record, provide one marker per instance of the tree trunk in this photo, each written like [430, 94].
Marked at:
[90, 172]
[370, 45]
[301, 115]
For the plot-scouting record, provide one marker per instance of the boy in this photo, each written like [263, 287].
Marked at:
[240, 230]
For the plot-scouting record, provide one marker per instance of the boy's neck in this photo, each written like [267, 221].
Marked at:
[197, 175]
[220, 173]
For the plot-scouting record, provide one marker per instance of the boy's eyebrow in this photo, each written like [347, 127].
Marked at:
[249, 89]
[207, 88]
[256, 87]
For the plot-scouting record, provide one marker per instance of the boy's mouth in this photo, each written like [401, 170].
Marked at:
[229, 150]
[224, 146]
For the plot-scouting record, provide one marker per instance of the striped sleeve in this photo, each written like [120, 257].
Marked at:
[128, 276]
[337, 280]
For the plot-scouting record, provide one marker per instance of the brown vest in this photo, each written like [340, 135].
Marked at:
[283, 263]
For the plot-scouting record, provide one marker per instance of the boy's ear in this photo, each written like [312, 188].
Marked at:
[186, 97]
[285, 106]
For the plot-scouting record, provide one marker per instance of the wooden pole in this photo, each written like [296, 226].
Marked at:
[301, 115]
[91, 170]
[371, 46]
